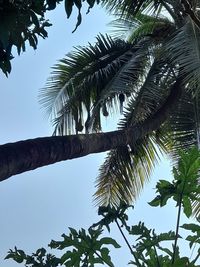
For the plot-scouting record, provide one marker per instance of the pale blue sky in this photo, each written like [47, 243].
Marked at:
[39, 205]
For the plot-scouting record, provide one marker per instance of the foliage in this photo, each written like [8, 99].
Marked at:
[25, 21]
[88, 248]
[132, 73]
[135, 74]
[22, 21]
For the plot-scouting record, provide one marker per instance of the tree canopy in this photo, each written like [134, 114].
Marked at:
[150, 72]
[23, 22]
[151, 67]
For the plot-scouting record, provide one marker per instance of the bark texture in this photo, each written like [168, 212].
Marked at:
[30, 154]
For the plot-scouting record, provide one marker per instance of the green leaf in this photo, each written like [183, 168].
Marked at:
[35, 19]
[91, 4]
[78, 4]
[166, 236]
[181, 262]
[32, 42]
[41, 252]
[17, 255]
[73, 231]
[4, 34]
[187, 207]
[192, 227]
[106, 257]
[51, 4]
[79, 19]
[68, 7]
[155, 202]
[65, 257]
[6, 66]
[109, 241]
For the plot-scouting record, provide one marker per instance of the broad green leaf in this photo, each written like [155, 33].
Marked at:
[106, 257]
[109, 241]
[65, 257]
[182, 262]
[155, 202]
[187, 207]
[192, 227]
[73, 231]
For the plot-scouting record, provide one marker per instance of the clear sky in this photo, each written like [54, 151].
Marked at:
[38, 206]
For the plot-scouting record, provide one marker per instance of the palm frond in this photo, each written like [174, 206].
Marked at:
[158, 29]
[125, 171]
[123, 27]
[142, 25]
[184, 124]
[127, 79]
[129, 8]
[127, 168]
[91, 80]
[78, 80]
[131, 74]
[187, 59]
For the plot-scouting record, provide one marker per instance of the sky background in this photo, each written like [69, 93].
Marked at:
[38, 206]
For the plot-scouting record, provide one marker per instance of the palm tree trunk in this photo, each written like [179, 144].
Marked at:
[30, 154]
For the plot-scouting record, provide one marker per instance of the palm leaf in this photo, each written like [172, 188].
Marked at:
[125, 171]
[78, 80]
[89, 81]
[142, 25]
[129, 8]
[132, 72]
[184, 124]
[126, 80]
[188, 57]
[127, 168]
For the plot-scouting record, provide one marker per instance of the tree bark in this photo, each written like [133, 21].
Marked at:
[30, 154]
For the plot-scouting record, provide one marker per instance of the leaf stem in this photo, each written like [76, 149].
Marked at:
[98, 255]
[157, 259]
[177, 229]
[198, 255]
[128, 244]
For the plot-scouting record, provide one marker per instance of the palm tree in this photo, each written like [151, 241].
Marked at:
[152, 66]
[153, 72]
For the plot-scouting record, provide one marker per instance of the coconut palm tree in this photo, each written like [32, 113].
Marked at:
[150, 73]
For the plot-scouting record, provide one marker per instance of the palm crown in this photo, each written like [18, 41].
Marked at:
[139, 71]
